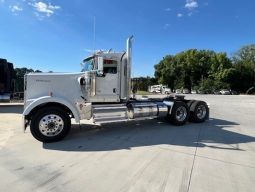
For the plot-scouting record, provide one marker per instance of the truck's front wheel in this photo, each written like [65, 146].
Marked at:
[50, 124]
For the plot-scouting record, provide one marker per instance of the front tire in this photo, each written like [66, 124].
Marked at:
[50, 124]
[179, 114]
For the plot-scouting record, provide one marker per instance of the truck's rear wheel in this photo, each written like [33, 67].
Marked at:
[200, 113]
[179, 114]
[50, 124]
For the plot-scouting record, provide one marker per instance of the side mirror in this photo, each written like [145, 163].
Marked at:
[100, 66]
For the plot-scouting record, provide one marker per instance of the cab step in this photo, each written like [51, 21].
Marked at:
[109, 113]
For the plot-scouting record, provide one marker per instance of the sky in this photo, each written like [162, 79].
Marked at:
[56, 35]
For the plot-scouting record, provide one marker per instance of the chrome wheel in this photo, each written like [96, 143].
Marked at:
[201, 112]
[51, 125]
[181, 113]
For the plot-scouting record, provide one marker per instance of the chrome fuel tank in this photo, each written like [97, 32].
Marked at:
[144, 109]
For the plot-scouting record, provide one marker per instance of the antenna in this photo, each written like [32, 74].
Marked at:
[94, 31]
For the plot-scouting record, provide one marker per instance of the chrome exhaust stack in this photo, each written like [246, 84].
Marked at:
[129, 64]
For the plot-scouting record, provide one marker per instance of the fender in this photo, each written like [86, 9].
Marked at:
[48, 99]
[170, 105]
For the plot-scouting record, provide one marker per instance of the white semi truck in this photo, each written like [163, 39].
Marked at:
[101, 92]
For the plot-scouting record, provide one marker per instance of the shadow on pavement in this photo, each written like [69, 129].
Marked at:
[117, 136]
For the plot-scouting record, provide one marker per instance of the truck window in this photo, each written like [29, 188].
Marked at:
[88, 64]
[110, 66]
[112, 70]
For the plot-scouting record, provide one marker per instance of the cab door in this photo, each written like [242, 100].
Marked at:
[107, 84]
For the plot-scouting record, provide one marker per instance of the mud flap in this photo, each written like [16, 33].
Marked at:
[25, 123]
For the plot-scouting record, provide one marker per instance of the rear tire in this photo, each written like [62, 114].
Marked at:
[179, 114]
[200, 113]
[50, 124]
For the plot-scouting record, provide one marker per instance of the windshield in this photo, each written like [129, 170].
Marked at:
[88, 64]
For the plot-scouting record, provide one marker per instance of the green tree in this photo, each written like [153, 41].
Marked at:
[189, 68]
[165, 71]
[19, 82]
[244, 63]
[142, 83]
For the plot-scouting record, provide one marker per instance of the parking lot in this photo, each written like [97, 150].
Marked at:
[151, 155]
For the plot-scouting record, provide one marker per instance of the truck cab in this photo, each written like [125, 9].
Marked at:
[105, 75]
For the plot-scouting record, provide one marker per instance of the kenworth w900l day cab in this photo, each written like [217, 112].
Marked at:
[101, 92]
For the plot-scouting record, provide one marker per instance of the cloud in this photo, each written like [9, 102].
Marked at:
[179, 15]
[166, 25]
[15, 8]
[191, 4]
[168, 9]
[44, 9]
[190, 14]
